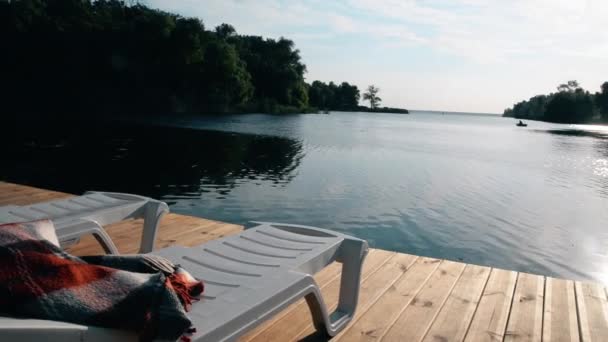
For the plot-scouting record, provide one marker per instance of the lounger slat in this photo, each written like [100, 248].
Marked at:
[222, 251]
[90, 204]
[101, 198]
[277, 243]
[49, 209]
[27, 214]
[277, 232]
[259, 250]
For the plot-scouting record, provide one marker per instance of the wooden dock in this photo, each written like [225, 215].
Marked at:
[403, 297]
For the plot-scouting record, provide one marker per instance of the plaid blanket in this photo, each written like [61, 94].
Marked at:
[142, 293]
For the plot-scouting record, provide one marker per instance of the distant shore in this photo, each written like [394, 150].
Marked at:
[364, 109]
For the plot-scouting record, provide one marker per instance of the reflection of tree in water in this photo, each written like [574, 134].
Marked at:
[147, 160]
[575, 133]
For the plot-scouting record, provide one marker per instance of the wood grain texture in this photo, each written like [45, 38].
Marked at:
[374, 323]
[593, 311]
[415, 320]
[560, 321]
[526, 318]
[490, 319]
[452, 322]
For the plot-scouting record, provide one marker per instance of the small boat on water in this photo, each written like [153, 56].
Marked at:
[521, 124]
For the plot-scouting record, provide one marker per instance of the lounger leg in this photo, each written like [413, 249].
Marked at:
[352, 254]
[317, 311]
[76, 229]
[105, 241]
[153, 213]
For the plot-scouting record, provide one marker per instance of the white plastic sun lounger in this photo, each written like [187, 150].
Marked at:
[248, 278]
[87, 214]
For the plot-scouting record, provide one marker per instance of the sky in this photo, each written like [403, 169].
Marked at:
[447, 55]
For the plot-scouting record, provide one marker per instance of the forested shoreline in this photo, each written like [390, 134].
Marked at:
[570, 104]
[83, 58]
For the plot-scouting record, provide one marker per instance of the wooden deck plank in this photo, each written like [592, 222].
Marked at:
[16, 192]
[299, 318]
[490, 319]
[371, 290]
[593, 311]
[33, 197]
[10, 191]
[452, 322]
[415, 320]
[526, 318]
[373, 323]
[560, 321]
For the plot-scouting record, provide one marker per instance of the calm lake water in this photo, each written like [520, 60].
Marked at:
[462, 187]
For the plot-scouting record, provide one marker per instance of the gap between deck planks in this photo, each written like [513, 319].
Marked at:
[403, 297]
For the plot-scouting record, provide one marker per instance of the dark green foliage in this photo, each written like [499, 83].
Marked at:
[571, 104]
[227, 81]
[77, 57]
[601, 100]
[533, 109]
[333, 97]
[372, 96]
[277, 72]
[80, 57]
[570, 107]
[383, 110]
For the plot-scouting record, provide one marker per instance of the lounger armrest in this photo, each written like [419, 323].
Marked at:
[351, 253]
[121, 196]
[152, 213]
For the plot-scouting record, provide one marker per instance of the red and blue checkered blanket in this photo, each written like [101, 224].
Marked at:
[145, 294]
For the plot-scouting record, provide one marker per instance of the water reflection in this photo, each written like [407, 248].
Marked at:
[599, 134]
[470, 188]
[147, 160]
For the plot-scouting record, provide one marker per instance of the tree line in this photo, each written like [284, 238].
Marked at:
[77, 57]
[570, 104]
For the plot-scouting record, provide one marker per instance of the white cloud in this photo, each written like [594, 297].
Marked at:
[491, 31]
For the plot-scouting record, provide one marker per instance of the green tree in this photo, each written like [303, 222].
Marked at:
[333, 97]
[225, 31]
[371, 95]
[568, 86]
[226, 81]
[277, 72]
[534, 108]
[571, 104]
[601, 100]
[317, 95]
[101, 57]
[347, 96]
[570, 107]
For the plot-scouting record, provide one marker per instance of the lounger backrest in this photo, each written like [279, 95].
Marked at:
[89, 206]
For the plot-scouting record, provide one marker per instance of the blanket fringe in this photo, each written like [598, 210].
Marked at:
[187, 288]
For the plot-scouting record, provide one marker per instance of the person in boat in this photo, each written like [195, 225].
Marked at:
[520, 123]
